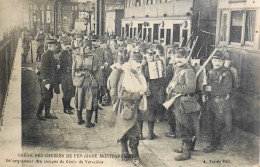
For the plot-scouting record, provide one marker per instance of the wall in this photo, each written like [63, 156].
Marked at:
[246, 60]
[173, 8]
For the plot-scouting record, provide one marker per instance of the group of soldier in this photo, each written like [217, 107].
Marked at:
[140, 79]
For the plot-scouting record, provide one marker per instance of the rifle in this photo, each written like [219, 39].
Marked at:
[189, 39]
[168, 103]
[31, 53]
[193, 46]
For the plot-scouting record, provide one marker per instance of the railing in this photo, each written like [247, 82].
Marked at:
[8, 47]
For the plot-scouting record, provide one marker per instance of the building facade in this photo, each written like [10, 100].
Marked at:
[173, 20]
[237, 30]
[59, 15]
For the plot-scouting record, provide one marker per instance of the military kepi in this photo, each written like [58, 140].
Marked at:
[181, 51]
[218, 55]
[135, 55]
[51, 41]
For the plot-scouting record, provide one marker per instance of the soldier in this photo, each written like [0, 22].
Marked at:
[40, 37]
[86, 75]
[153, 69]
[171, 64]
[46, 80]
[217, 91]
[129, 98]
[26, 40]
[186, 107]
[68, 89]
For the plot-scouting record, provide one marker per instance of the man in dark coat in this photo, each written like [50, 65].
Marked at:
[65, 59]
[46, 80]
[217, 92]
[40, 37]
[182, 86]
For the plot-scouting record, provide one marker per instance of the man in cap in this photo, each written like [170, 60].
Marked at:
[184, 83]
[87, 77]
[47, 80]
[129, 95]
[217, 92]
[65, 59]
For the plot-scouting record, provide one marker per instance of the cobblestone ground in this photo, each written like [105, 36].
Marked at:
[64, 135]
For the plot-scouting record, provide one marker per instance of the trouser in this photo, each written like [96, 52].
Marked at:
[44, 103]
[220, 119]
[40, 51]
[46, 96]
[171, 121]
[133, 144]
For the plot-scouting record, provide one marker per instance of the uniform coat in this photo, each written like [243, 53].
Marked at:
[219, 102]
[67, 86]
[91, 79]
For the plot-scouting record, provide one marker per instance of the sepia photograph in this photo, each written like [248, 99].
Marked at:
[129, 83]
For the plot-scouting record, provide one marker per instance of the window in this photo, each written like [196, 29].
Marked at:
[162, 33]
[138, 3]
[150, 2]
[162, 1]
[123, 31]
[223, 25]
[128, 3]
[144, 37]
[134, 32]
[176, 32]
[185, 37]
[140, 30]
[168, 36]
[250, 26]
[149, 34]
[155, 31]
[127, 29]
[236, 26]
[131, 32]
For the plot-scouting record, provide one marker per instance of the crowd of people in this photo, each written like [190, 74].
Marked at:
[143, 82]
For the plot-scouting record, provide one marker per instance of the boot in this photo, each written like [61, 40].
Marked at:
[125, 153]
[140, 124]
[88, 119]
[79, 114]
[186, 152]
[39, 111]
[65, 106]
[48, 115]
[193, 142]
[151, 135]
[135, 153]
[69, 106]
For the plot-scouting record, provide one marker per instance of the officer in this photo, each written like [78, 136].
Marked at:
[40, 37]
[47, 80]
[87, 77]
[183, 83]
[65, 59]
[217, 92]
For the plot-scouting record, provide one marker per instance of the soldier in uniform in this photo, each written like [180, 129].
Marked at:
[182, 87]
[151, 66]
[26, 40]
[46, 80]
[40, 37]
[217, 92]
[87, 77]
[127, 100]
[65, 59]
